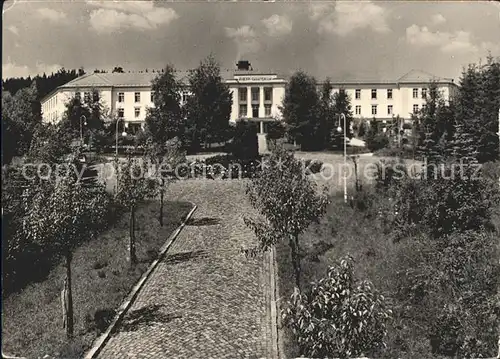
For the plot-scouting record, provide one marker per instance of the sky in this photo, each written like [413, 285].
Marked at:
[345, 40]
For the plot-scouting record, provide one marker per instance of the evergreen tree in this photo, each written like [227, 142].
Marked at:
[165, 120]
[326, 121]
[208, 108]
[300, 109]
[430, 136]
[342, 105]
[477, 106]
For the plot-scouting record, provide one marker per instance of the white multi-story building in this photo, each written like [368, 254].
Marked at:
[384, 100]
[256, 95]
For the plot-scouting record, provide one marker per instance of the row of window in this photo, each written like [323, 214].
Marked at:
[255, 93]
[86, 96]
[121, 96]
[357, 93]
[121, 112]
[51, 103]
[255, 110]
[389, 109]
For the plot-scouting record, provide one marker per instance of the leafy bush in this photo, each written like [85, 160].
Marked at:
[338, 317]
[491, 170]
[390, 174]
[448, 288]
[438, 206]
[377, 142]
[313, 166]
[222, 167]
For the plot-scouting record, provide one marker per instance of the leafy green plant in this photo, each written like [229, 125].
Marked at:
[133, 187]
[287, 202]
[338, 316]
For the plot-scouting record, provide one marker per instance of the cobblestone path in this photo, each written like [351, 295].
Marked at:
[205, 299]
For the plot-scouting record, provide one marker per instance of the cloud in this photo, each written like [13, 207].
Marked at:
[141, 15]
[317, 11]
[458, 41]
[13, 29]
[245, 38]
[342, 18]
[52, 15]
[11, 69]
[277, 25]
[438, 19]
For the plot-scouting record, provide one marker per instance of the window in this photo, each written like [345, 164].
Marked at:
[374, 94]
[121, 97]
[95, 96]
[255, 111]
[389, 94]
[78, 95]
[255, 94]
[424, 107]
[267, 110]
[86, 96]
[374, 109]
[358, 94]
[358, 110]
[137, 112]
[121, 113]
[415, 108]
[243, 94]
[152, 96]
[268, 93]
[243, 110]
[133, 128]
[424, 93]
[415, 93]
[389, 109]
[137, 97]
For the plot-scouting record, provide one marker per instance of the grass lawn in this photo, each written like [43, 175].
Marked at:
[32, 319]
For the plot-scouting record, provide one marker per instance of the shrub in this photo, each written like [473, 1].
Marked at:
[339, 316]
[448, 288]
[390, 174]
[491, 170]
[439, 206]
[402, 152]
[221, 166]
[377, 142]
[244, 145]
[313, 166]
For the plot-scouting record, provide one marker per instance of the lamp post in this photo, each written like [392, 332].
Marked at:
[123, 134]
[116, 153]
[83, 120]
[339, 129]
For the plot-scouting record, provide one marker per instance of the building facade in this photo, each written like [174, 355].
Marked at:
[257, 96]
[385, 100]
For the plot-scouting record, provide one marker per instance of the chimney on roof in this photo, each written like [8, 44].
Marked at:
[243, 65]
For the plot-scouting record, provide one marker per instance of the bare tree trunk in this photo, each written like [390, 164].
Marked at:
[131, 245]
[162, 194]
[68, 298]
[294, 246]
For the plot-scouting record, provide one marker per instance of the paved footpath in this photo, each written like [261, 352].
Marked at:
[205, 299]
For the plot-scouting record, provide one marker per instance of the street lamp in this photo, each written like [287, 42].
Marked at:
[123, 134]
[339, 129]
[83, 121]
